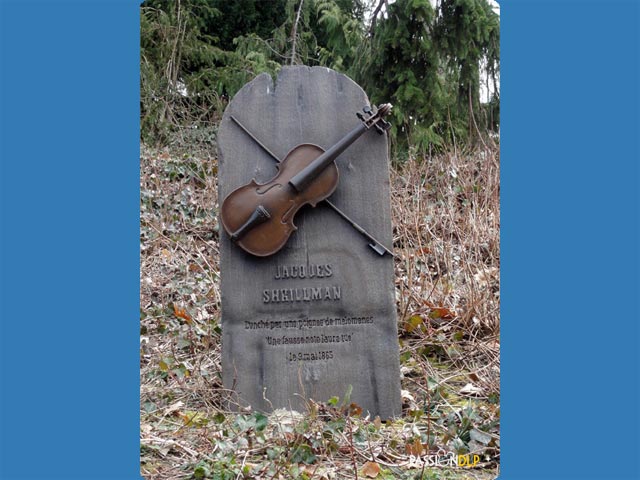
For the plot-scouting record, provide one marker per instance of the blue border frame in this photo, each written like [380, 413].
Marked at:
[569, 231]
[70, 233]
[70, 239]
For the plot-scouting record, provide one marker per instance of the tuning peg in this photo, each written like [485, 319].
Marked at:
[360, 116]
[384, 109]
[367, 110]
[382, 126]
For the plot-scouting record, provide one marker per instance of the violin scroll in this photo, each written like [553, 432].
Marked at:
[376, 119]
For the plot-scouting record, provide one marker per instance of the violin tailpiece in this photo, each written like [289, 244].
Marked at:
[259, 216]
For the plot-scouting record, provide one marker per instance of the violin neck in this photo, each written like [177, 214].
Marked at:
[304, 177]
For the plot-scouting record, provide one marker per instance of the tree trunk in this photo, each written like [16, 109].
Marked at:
[294, 33]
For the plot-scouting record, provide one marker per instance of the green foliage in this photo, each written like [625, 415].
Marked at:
[257, 421]
[303, 454]
[467, 32]
[196, 54]
[186, 67]
[244, 17]
[342, 32]
[405, 70]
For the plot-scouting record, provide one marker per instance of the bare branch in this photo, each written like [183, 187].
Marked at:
[374, 17]
[294, 33]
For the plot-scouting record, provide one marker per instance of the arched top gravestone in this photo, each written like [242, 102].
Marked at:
[317, 318]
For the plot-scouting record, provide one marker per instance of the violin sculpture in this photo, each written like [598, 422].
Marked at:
[259, 217]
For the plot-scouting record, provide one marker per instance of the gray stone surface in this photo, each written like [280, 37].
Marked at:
[320, 314]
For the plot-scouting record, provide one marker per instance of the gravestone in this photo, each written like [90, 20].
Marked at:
[317, 318]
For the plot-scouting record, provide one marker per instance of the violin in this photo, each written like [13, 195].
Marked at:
[259, 217]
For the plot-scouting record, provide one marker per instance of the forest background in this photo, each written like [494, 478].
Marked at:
[432, 61]
[427, 60]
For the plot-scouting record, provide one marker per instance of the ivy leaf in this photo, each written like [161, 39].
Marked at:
[261, 421]
[412, 323]
[219, 417]
[303, 454]
[201, 471]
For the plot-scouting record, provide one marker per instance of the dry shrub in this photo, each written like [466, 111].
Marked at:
[446, 216]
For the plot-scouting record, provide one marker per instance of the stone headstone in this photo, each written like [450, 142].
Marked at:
[318, 318]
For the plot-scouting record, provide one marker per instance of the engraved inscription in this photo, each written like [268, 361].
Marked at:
[307, 337]
[302, 340]
[307, 323]
[302, 294]
[303, 271]
[305, 294]
[306, 334]
[310, 356]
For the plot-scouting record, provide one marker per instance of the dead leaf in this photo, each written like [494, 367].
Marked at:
[174, 408]
[414, 448]
[441, 312]
[486, 277]
[181, 313]
[355, 409]
[371, 469]
[406, 395]
[377, 422]
[164, 451]
[480, 436]
[438, 312]
[470, 390]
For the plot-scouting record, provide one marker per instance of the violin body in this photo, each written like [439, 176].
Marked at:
[259, 217]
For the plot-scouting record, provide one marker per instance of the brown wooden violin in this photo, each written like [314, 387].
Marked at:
[259, 217]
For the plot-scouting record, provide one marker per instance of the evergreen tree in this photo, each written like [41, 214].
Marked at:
[467, 35]
[426, 60]
[340, 32]
[404, 69]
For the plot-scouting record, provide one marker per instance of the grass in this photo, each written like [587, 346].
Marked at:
[446, 238]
